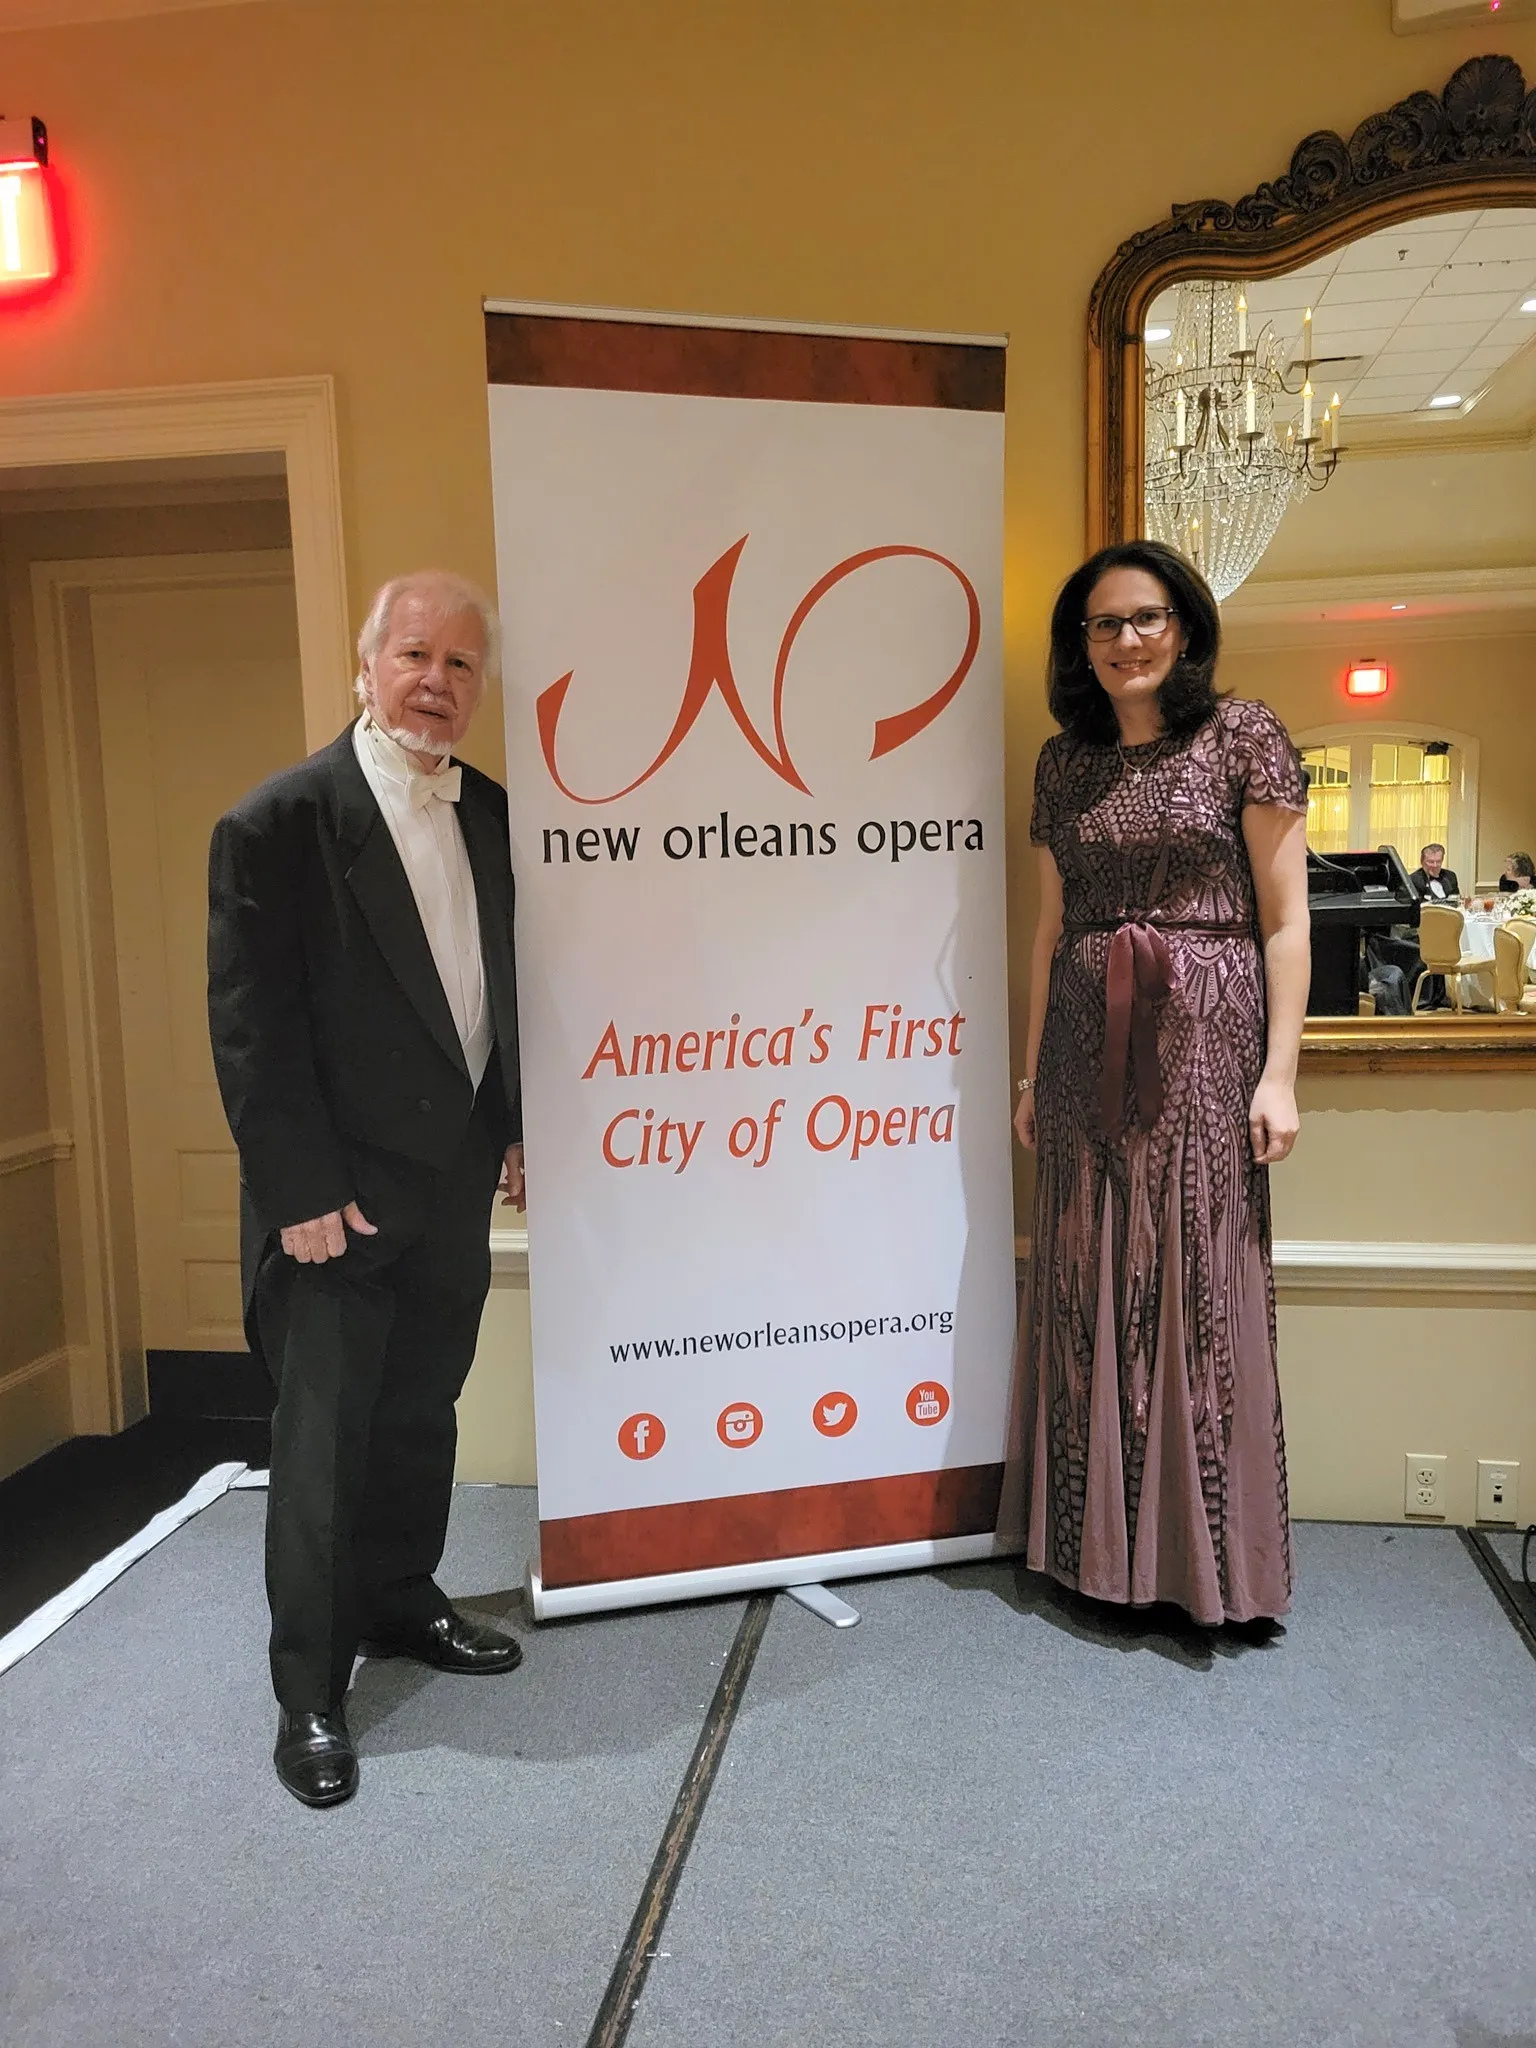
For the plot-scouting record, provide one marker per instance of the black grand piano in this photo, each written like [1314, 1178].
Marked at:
[1351, 894]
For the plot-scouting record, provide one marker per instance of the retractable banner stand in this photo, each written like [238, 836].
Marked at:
[751, 585]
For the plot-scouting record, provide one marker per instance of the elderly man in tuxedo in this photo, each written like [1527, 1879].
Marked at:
[364, 1023]
[1432, 881]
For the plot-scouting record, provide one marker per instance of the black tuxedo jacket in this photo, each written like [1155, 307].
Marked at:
[330, 1028]
[1445, 878]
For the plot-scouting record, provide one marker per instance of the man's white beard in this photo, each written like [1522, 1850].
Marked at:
[413, 742]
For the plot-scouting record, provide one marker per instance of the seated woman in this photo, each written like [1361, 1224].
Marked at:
[1519, 873]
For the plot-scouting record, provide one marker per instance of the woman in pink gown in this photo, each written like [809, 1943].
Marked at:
[1170, 970]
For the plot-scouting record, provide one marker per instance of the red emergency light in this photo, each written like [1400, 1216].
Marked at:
[29, 251]
[1367, 679]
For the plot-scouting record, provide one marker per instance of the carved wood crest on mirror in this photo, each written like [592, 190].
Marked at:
[1324, 394]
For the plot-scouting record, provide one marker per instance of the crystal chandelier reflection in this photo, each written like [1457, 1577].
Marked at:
[1220, 469]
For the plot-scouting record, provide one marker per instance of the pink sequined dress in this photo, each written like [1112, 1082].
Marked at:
[1147, 1456]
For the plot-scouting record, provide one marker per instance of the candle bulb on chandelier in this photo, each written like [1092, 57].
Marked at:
[1333, 423]
[1306, 410]
[1306, 336]
[1242, 327]
[1250, 410]
[1180, 420]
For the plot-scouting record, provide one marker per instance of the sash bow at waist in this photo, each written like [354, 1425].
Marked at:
[1138, 979]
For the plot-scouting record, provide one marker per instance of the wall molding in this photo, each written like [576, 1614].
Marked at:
[1314, 611]
[1348, 1266]
[509, 1254]
[35, 1368]
[36, 1148]
[1338, 1265]
[37, 1408]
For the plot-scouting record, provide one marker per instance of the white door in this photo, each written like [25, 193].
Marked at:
[198, 692]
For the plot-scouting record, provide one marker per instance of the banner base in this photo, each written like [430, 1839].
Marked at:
[558, 1603]
[824, 1605]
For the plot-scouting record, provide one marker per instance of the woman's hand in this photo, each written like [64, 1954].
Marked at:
[1024, 1119]
[1273, 1122]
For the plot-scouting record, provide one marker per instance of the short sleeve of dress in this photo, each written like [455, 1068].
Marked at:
[1263, 764]
[1046, 815]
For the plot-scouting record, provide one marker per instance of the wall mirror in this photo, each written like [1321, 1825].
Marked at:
[1324, 394]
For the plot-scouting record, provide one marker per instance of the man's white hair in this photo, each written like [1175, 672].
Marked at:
[458, 593]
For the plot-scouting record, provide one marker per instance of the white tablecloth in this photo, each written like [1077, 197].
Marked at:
[1477, 930]
[1477, 944]
[1477, 934]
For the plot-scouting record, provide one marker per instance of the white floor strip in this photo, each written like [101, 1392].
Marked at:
[54, 1613]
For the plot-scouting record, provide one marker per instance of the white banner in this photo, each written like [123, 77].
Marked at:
[754, 747]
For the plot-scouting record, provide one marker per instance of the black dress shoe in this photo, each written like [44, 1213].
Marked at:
[315, 1758]
[450, 1643]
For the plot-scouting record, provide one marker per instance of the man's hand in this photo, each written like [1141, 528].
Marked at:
[514, 1185]
[325, 1237]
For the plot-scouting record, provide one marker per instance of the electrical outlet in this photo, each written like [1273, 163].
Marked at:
[1498, 1482]
[1424, 1484]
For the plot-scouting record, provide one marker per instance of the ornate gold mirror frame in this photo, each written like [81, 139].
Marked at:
[1473, 145]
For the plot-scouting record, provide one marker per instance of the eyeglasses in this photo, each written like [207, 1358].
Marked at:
[1150, 623]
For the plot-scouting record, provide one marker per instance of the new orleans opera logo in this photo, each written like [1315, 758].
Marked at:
[709, 668]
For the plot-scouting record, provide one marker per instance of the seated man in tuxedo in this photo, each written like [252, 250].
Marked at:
[1433, 881]
[363, 1015]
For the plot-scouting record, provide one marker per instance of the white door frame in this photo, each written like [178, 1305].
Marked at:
[295, 418]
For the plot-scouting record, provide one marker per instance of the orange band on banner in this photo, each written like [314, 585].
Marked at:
[796, 1521]
[724, 362]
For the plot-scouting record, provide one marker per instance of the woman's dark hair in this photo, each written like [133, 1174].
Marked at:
[1187, 697]
[1523, 865]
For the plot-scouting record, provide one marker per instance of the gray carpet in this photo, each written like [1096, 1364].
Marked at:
[977, 1820]
[1508, 1544]
[157, 1886]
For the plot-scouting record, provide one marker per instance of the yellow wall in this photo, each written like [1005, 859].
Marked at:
[1478, 686]
[271, 189]
[278, 188]
[1368, 1376]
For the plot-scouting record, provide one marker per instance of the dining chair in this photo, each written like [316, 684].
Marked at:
[1440, 929]
[1512, 945]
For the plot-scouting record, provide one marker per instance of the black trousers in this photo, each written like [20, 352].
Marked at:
[370, 1352]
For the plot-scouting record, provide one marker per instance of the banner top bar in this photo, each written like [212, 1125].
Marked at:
[649, 318]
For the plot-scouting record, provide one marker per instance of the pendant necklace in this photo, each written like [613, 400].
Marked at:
[1136, 770]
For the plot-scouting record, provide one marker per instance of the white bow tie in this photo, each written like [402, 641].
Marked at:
[444, 784]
